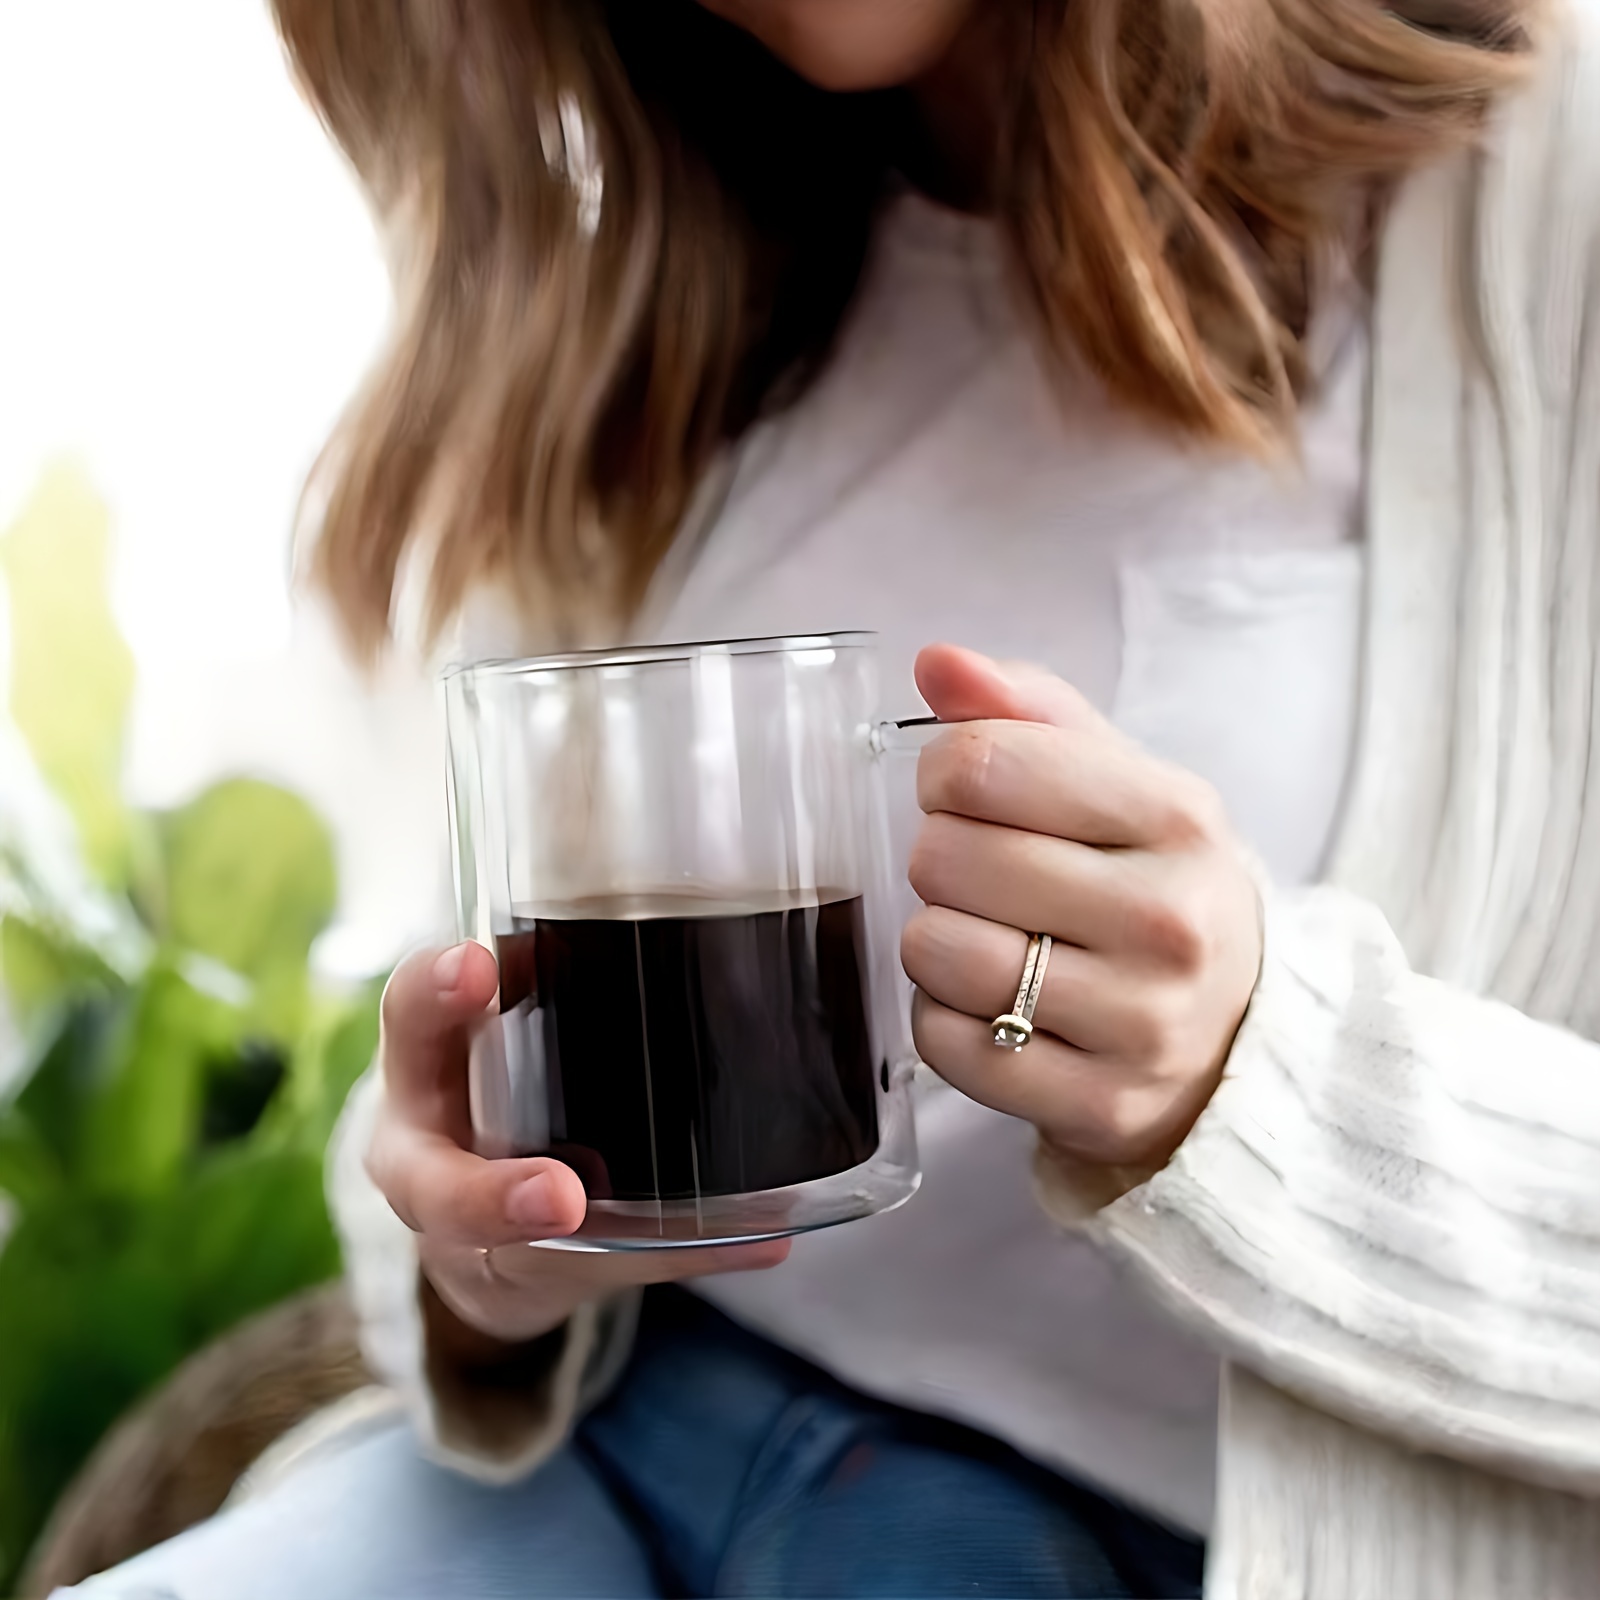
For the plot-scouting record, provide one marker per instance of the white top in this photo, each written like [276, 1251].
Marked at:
[935, 486]
[1391, 1208]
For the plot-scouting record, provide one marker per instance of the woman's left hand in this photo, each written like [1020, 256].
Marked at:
[1042, 818]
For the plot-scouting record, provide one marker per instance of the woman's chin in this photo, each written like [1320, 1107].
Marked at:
[850, 46]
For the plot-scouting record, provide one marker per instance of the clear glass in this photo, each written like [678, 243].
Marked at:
[679, 856]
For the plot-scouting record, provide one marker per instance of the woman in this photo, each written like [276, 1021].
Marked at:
[1241, 364]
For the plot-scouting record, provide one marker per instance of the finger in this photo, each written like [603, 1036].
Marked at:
[1083, 896]
[974, 966]
[964, 686]
[602, 1272]
[1082, 1103]
[430, 1005]
[441, 1190]
[715, 1260]
[1073, 783]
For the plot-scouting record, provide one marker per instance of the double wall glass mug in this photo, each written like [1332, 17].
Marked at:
[679, 857]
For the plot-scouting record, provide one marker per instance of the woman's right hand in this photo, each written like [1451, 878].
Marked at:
[474, 1217]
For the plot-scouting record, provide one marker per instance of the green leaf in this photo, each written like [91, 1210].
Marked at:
[71, 1064]
[238, 1089]
[88, 1322]
[71, 670]
[114, 1091]
[30, 1174]
[101, 1299]
[147, 882]
[37, 972]
[249, 1227]
[143, 1125]
[250, 883]
[142, 1229]
[350, 1051]
[44, 966]
[332, 1054]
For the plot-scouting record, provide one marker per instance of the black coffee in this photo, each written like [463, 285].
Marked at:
[690, 1052]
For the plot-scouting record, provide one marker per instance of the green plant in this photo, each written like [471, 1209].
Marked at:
[175, 1070]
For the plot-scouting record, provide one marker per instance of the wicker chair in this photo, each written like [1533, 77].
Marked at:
[174, 1460]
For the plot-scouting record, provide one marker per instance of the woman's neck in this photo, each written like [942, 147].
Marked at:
[953, 136]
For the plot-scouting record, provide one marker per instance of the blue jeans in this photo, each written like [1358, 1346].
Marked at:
[720, 1466]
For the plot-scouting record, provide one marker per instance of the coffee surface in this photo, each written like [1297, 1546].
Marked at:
[691, 1048]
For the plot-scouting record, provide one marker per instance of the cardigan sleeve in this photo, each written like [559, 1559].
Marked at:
[476, 1422]
[1391, 1207]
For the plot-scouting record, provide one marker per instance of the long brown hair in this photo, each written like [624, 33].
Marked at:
[620, 231]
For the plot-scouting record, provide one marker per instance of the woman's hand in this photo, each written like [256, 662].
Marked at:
[475, 1217]
[1042, 818]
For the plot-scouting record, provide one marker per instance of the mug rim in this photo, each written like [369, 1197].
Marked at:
[645, 655]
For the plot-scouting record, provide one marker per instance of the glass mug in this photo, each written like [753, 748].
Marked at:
[679, 856]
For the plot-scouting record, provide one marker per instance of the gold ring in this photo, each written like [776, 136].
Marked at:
[1013, 1030]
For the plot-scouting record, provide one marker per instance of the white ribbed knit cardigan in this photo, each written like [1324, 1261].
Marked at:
[1392, 1206]
[1391, 1209]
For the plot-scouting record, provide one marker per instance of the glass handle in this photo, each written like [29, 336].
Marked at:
[904, 737]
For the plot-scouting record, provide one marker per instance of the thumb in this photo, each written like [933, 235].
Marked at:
[964, 686]
[430, 1005]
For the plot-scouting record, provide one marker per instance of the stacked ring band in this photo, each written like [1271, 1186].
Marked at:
[1013, 1030]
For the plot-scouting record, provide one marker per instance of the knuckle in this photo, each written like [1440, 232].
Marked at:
[382, 1168]
[961, 771]
[1170, 930]
[917, 944]
[1074, 706]
[377, 1160]
[1156, 1031]
[928, 854]
[1145, 1034]
[1194, 811]
[923, 1032]
[399, 993]
[459, 1218]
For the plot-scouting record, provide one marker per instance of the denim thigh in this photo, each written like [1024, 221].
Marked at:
[378, 1522]
[754, 1473]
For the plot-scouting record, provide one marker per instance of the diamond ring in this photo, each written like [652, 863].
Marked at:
[1015, 1028]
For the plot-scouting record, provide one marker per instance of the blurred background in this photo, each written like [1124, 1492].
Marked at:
[215, 837]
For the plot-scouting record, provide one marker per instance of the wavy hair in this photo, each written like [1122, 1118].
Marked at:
[620, 231]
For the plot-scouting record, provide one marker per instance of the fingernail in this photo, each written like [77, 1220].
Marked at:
[528, 1205]
[447, 969]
